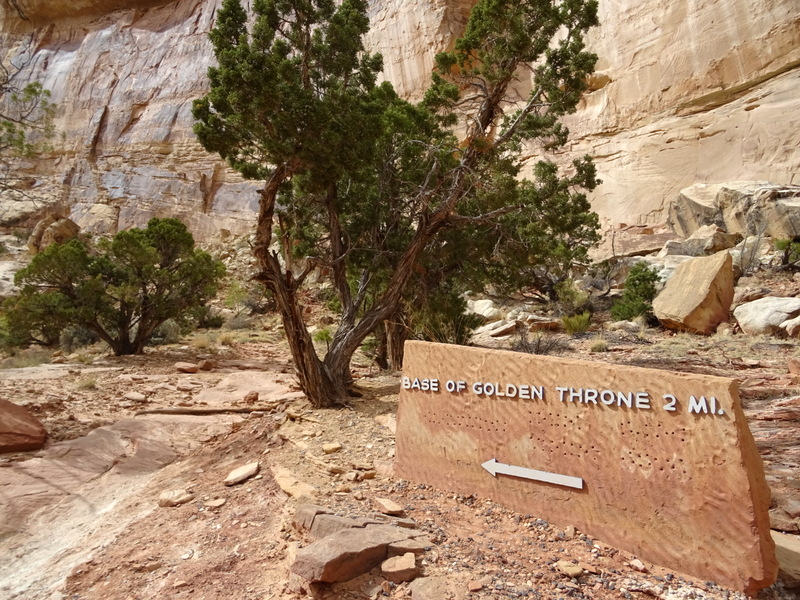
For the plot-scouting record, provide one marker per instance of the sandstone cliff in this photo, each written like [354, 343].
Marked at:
[690, 91]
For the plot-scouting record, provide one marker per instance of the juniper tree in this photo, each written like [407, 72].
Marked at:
[382, 191]
[121, 290]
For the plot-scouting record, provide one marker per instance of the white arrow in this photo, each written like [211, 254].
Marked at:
[495, 467]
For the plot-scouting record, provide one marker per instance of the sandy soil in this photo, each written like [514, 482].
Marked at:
[108, 538]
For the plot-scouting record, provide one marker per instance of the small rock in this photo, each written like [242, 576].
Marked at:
[134, 396]
[251, 397]
[179, 584]
[569, 569]
[400, 568]
[331, 448]
[151, 566]
[185, 367]
[474, 586]
[242, 473]
[215, 503]
[175, 498]
[638, 565]
[389, 507]
[207, 365]
[293, 486]
[569, 532]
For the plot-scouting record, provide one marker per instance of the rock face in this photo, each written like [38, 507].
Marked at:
[698, 296]
[749, 208]
[684, 93]
[675, 480]
[19, 429]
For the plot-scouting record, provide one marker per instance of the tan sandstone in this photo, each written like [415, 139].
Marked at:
[684, 93]
[698, 296]
[681, 489]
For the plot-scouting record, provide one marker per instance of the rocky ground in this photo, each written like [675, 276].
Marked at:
[83, 518]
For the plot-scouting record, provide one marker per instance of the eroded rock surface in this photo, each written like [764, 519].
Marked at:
[704, 92]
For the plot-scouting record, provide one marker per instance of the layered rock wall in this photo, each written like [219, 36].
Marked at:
[692, 91]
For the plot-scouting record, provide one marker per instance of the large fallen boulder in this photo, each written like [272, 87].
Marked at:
[752, 208]
[698, 296]
[19, 429]
[770, 315]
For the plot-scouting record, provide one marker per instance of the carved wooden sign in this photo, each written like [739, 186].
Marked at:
[658, 463]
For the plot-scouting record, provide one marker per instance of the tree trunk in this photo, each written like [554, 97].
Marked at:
[396, 335]
[315, 380]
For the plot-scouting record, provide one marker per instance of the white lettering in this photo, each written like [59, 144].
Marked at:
[590, 395]
[670, 406]
[607, 397]
[575, 394]
[627, 400]
[525, 392]
[537, 393]
[561, 391]
[406, 383]
[511, 390]
[477, 388]
[642, 400]
[698, 405]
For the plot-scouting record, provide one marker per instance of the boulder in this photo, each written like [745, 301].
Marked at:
[19, 429]
[347, 553]
[767, 315]
[400, 568]
[485, 308]
[698, 296]
[708, 239]
[787, 548]
[242, 473]
[57, 232]
[751, 208]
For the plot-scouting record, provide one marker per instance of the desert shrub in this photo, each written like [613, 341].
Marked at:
[599, 344]
[239, 321]
[323, 335]
[122, 289]
[637, 297]
[577, 323]
[73, 337]
[540, 342]
[208, 318]
[790, 251]
[570, 299]
[169, 332]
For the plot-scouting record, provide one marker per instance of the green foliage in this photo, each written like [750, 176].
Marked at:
[637, 297]
[209, 319]
[790, 251]
[324, 335]
[570, 299]
[444, 319]
[122, 290]
[576, 323]
[73, 337]
[26, 122]
[380, 191]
